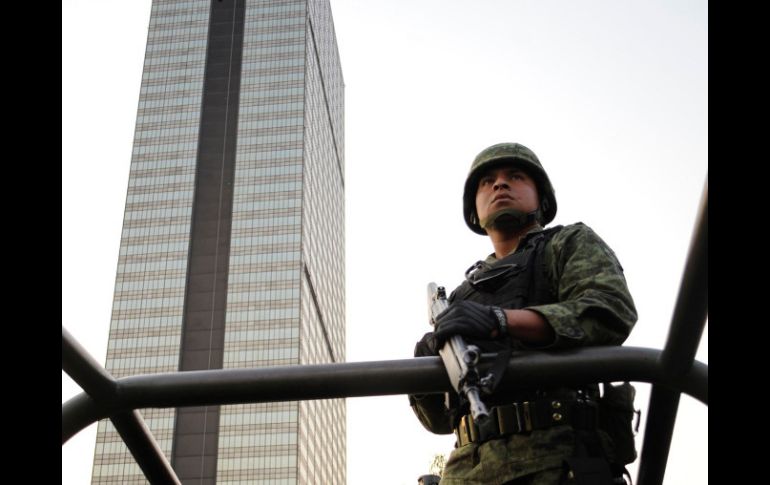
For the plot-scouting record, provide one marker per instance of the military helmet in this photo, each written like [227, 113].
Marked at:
[520, 156]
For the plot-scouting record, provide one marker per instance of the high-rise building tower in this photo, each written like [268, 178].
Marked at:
[232, 252]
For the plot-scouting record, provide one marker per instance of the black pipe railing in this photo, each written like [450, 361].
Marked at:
[377, 378]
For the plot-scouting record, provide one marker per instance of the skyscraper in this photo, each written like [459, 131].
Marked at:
[232, 251]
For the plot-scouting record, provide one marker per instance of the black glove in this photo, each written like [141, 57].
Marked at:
[470, 319]
[426, 347]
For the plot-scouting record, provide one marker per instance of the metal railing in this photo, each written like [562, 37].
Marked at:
[671, 371]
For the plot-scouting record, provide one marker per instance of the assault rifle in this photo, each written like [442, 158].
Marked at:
[460, 359]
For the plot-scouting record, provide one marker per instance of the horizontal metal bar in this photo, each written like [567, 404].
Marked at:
[143, 447]
[379, 378]
[408, 376]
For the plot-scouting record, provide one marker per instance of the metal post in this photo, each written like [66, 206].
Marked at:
[678, 355]
[691, 310]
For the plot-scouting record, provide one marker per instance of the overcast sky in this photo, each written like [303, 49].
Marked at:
[611, 95]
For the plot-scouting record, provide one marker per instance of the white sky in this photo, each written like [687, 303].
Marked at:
[611, 95]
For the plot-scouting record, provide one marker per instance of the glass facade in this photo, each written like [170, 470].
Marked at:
[322, 423]
[285, 281]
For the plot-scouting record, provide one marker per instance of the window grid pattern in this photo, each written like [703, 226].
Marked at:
[146, 318]
[324, 202]
[322, 430]
[328, 59]
[258, 442]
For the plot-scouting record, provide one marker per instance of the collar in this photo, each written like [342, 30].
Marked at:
[536, 228]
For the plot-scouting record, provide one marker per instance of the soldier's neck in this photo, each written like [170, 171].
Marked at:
[506, 241]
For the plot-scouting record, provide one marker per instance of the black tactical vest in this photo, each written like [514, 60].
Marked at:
[516, 281]
[513, 282]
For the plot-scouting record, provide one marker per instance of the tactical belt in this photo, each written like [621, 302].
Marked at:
[523, 417]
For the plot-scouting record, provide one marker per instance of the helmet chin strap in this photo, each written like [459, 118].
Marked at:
[509, 219]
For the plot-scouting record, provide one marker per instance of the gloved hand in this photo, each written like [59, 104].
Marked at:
[426, 347]
[470, 319]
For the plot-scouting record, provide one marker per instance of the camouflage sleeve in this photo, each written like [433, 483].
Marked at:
[594, 306]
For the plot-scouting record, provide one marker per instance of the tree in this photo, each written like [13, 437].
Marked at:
[437, 466]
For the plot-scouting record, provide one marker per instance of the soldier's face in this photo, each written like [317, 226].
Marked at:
[505, 187]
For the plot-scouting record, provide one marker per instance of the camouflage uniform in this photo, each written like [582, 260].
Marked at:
[591, 306]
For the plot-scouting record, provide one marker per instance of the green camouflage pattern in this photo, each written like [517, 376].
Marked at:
[538, 456]
[594, 307]
[507, 152]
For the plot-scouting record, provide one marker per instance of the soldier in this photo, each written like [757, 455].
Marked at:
[542, 289]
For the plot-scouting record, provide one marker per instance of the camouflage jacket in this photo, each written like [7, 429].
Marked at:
[591, 305]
